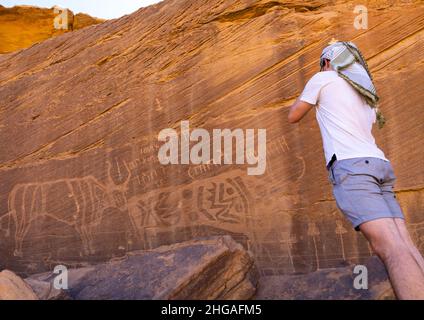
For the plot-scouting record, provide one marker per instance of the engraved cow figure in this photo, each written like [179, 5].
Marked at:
[81, 206]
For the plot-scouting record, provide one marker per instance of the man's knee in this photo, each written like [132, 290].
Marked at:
[389, 248]
[385, 238]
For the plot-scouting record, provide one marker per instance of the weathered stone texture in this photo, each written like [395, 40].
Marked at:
[80, 114]
[211, 268]
[329, 284]
[22, 26]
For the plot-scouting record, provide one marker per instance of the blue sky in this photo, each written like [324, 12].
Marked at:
[106, 9]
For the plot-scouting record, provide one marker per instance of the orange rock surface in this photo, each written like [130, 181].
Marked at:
[81, 113]
[22, 26]
[12, 287]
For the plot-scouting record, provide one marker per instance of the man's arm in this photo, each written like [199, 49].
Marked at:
[298, 110]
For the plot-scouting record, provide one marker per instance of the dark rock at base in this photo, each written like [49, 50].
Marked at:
[328, 284]
[209, 268]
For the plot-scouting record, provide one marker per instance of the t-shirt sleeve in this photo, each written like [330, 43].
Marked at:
[312, 89]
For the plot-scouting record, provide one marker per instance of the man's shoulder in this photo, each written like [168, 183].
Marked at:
[324, 76]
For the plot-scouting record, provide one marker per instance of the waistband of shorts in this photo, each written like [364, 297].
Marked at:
[334, 159]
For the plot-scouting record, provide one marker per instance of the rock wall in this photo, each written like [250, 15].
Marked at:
[81, 113]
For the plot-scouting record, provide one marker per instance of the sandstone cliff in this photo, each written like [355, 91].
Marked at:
[22, 26]
[81, 112]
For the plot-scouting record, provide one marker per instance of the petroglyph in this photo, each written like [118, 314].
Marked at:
[201, 170]
[340, 231]
[277, 147]
[158, 211]
[313, 232]
[215, 200]
[224, 201]
[85, 198]
[288, 240]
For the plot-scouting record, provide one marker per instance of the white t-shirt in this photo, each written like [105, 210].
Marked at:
[344, 117]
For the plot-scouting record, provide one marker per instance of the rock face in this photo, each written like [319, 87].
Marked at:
[12, 287]
[81, 113]
[328, 284]
[22, 26]
[214, 268]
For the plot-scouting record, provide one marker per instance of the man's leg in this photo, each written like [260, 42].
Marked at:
[404, 233]
[405, 273]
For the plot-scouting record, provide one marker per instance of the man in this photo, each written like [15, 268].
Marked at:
[361, 176]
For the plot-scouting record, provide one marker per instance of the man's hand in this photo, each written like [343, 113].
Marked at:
[298, 110]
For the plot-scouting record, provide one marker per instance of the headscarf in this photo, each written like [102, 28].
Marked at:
[346, 59]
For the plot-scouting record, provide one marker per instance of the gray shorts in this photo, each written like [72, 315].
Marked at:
[363, 189]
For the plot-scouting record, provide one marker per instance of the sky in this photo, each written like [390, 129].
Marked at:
[106, 9]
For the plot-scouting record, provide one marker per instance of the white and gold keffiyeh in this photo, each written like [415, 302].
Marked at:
[346, 59]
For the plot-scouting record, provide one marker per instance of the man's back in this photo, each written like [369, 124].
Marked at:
[344, 117]
[361, 177]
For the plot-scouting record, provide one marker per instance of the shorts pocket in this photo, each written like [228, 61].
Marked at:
[338, 173]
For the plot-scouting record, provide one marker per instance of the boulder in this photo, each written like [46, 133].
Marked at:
[12, 287]
[328, 284]
[212, 268]
[45, 290]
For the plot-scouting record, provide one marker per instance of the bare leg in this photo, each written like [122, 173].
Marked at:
[405, 274]
[404, 233]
